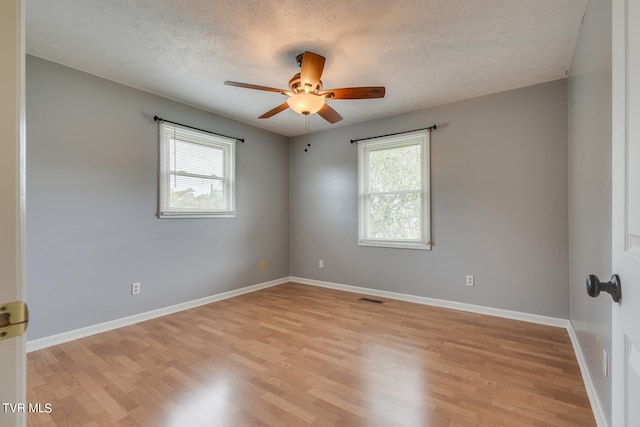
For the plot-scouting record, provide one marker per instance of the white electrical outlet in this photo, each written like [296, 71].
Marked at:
[470, 281]
[135, 288]
[321, 263]
[605, 363]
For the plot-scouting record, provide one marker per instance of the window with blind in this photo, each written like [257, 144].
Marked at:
[394, 202]
[197, 174]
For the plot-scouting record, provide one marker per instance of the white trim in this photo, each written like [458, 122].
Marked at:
[64, 337]
[395, 244]
[598, 413]
[174, 215]
[490, 311]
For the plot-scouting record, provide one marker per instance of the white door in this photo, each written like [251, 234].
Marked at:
[626, 211]
[12, 350]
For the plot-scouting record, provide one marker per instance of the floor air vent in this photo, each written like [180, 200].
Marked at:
[377, 301]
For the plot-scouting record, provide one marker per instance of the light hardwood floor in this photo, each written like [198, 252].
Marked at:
[296, 355]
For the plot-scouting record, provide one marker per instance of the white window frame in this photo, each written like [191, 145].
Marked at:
[170, 131]
[365, 147]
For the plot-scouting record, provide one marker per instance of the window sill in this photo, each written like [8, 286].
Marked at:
[185, 215]
[424, 246]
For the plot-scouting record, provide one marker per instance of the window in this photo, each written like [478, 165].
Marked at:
[394, 202]
[197, 174]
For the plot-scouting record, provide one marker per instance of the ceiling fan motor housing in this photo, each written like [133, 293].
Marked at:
[295, 84]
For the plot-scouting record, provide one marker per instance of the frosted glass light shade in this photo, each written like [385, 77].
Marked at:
[305, 103]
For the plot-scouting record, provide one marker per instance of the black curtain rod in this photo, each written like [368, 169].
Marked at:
[434, 127]
[159, 119]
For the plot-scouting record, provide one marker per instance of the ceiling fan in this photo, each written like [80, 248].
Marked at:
[306, 95]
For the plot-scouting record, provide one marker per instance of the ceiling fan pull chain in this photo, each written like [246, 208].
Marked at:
[307, 131]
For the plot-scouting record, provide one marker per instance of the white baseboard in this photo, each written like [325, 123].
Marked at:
[598, 413]
[52, 340]
[498, 312]
[526, 317]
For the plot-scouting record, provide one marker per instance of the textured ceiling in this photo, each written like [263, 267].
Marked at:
[426, 52]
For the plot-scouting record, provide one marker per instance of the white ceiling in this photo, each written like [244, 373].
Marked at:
[426, 52]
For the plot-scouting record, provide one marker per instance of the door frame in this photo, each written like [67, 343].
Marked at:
[12, 208]
[624, 260]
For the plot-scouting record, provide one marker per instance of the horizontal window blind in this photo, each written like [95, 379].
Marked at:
[197, 173]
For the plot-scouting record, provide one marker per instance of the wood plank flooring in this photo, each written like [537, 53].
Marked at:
[296, 355]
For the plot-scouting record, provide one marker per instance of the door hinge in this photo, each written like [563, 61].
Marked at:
[14, 317]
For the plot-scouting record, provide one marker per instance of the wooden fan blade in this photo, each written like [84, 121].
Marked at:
[311, 69]
[354, 92]
[329, 114]
[274, 111]
[257, 87]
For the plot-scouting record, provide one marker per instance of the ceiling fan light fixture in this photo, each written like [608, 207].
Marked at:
[305, 103]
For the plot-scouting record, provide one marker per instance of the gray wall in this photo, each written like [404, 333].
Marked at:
[590, 187]
[499, 193]
[92, 193]
[499, 197]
